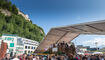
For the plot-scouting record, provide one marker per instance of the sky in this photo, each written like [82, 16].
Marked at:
[54, 13]
[90, 40]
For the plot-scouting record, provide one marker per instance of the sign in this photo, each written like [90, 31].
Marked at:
[11, 44]
[55, 49]
[9, 39]
[19, 48]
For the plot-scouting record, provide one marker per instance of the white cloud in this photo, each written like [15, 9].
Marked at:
[85, 18]
[100, 42]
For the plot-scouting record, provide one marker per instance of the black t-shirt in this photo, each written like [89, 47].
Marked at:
[58, 58]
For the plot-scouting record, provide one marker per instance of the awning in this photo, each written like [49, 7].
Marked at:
[68, 33]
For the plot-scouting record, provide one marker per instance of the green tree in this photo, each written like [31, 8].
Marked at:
[14, 9]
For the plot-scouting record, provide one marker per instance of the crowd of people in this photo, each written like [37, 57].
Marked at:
[67, 49]
[57, 57]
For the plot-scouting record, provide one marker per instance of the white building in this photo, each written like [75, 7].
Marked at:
[29, 45]
[81, 48]
[19, 45]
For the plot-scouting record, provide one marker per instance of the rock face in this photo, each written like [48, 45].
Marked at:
[8, 13]
[24, 15]
[5, 12]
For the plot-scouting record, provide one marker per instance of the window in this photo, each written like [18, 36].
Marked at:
[25, 51]
[34, 47]
[31, 51]
[28, 47]
[25, 47]
[19, 41]
[28, 51]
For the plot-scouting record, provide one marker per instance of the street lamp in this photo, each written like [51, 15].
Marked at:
[96, 43]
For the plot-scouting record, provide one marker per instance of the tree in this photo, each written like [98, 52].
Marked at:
[14, 9]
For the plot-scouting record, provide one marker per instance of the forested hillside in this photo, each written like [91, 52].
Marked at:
[16, 24]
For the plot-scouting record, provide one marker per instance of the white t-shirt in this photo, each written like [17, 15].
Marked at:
[15, 59]
[34, 58]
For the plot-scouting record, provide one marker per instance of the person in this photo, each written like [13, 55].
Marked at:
[37, 57]
[29, 57]
[84, 58]
[49, 57]
[23, 57]
[93, 57]
[20, 57]
[7, 57]
[102, 58]
[65, 57]
[44, 58]
[88, 58]
[15, 57]
[53, 58]
[34, 57]
[58, 58]
[75, 58]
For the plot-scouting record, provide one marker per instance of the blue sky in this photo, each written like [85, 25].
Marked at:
[90, 40]
[52, 13]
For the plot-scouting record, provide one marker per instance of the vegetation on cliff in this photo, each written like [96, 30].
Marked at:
[16, 24]
[5, 4]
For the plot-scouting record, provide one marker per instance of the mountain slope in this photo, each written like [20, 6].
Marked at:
[17, 24]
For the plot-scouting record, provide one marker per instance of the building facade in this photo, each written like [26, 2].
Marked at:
[19, 45]
[29, 45]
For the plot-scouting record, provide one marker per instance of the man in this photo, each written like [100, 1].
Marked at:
[7, 57]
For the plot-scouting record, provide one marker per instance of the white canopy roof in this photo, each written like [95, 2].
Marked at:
[68, 33]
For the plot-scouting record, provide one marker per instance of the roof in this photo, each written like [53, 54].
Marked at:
[68, 33]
